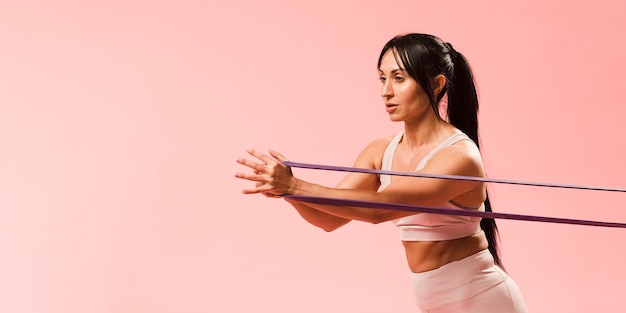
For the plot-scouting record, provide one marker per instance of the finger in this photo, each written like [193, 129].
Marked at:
[278, 156]
[253, 165]
[251, 177]
[261, 189]
[271, 194]
[261, 156]
[250, 191]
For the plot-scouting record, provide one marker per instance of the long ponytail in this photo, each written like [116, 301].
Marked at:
[463, 114]
[426, 56]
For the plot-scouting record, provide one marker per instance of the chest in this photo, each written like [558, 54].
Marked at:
[407, 160]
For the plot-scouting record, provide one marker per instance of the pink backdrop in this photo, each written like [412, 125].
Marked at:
[120, 123]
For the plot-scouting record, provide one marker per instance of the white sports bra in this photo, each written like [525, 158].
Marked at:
[428, 226]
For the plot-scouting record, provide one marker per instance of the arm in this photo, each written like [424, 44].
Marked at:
[323, 220]
[454, 160]
[329, 217]
[276, 178]
[326, 219]
[323, 215]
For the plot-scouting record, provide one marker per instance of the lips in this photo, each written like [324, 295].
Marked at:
[391, 107]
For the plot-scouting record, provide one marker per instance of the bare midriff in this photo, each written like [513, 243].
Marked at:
[424, 256]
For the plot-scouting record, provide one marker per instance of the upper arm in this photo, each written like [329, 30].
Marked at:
[459, 159]
[369, 158]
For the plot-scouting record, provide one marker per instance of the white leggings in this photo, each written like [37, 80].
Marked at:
[473, 284]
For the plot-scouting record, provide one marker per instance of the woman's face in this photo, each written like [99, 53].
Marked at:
[404, 98]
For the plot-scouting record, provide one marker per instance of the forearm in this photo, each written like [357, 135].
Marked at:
[347, 212]
[323, 220]
[373, 216]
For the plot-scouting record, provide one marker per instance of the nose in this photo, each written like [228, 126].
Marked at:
[387, 89]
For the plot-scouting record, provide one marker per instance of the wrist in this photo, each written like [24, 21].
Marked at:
[295, 187]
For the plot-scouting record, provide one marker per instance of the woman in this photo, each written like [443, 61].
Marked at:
[454, 260]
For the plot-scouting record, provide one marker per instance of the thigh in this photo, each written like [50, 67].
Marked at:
[502, 298]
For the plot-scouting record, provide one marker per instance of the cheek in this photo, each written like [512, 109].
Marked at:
[412, 94]
[405, 92]
[418, 93]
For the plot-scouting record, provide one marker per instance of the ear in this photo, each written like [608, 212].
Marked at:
[438, 83]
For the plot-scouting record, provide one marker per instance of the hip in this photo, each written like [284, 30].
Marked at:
[474, 283]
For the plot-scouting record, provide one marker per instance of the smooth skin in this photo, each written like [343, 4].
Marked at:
[405, 101]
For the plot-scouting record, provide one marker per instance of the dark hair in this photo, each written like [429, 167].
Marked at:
[426, 56]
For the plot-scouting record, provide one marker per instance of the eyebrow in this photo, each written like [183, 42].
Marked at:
[396, 70]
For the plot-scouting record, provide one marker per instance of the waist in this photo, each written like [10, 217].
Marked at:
[439, 232]
[428, 255]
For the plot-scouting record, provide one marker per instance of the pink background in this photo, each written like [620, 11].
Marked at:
[120, 123]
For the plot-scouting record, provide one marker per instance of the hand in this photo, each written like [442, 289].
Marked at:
[271, 177]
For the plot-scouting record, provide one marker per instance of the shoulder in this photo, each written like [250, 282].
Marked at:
[380, 144]
[371, 158]
[373, 153]
[460, 158]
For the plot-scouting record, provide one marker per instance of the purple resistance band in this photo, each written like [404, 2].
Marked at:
[453, 177]
[434, 210]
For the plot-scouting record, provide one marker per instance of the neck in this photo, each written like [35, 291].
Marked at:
[417, 134]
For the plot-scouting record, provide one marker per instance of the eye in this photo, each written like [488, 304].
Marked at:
[382, 79]
[399, 78]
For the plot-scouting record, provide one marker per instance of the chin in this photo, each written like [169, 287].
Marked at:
[394, 118]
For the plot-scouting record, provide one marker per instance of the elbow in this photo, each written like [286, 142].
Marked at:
[377, 221]
[331, 227]
[381, 216]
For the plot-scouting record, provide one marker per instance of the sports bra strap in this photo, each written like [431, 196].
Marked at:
[385, 180]
[448, 142]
